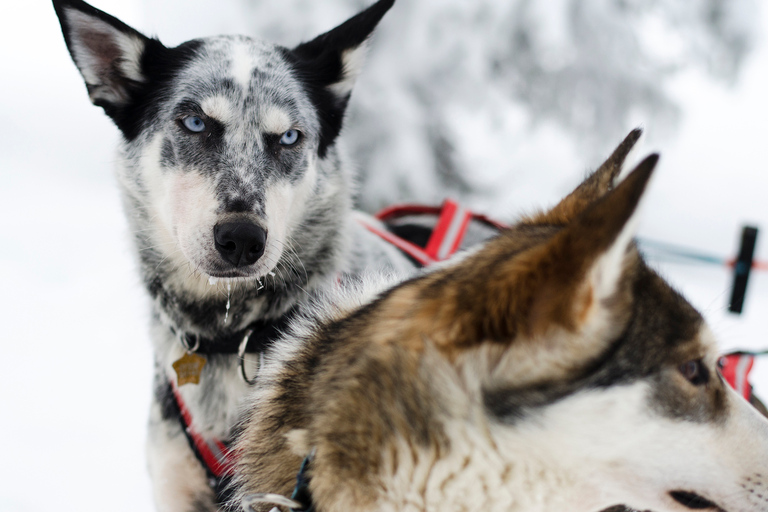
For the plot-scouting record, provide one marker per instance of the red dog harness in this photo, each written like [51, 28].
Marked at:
[214, 454]
[447, 235]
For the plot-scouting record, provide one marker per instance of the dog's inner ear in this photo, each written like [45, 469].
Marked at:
[562, 296]
[583, 273]
[329, 64]
[106, 51]
[593, 187]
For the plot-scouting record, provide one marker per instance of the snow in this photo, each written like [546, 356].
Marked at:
[75, 379]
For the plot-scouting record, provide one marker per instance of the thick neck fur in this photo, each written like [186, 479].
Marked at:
[468, 460]
[189, 301]
[486, 470]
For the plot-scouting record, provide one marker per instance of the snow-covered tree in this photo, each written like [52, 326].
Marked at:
[470, 97]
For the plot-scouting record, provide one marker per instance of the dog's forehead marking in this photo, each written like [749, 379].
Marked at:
[243, 60]
[274, 119]
[218, 107]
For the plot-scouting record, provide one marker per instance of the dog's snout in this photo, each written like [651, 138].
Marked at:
[240, 243]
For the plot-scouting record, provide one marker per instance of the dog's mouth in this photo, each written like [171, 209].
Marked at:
[693, 501]
[229, 277]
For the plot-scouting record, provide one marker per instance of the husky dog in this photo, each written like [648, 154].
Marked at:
[550, 370]
[239, 200]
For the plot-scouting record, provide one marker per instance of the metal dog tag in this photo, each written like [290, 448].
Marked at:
[188, 368]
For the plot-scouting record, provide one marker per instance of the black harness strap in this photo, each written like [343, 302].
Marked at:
[301, 492]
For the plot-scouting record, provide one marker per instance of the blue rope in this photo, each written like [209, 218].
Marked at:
[662, 249]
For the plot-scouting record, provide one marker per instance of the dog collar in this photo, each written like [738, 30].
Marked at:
[254, 339]
[261, 334]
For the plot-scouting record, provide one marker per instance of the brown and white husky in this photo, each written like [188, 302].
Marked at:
[551, 370]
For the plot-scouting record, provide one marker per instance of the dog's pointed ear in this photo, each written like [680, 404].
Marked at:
[594, 186]
[535, 293]
[106, 51]
[581, 273]
[329, 64]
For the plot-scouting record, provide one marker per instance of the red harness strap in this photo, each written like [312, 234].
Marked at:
[216, 457]
[449, 231]
[411, 249]
[735, 370]
[403, 210]
[446, 237]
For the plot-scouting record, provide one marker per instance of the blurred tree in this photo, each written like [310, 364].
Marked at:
[455, 90]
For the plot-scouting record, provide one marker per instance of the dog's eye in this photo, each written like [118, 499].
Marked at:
[290, 137]
[193, 124]
[695, 372]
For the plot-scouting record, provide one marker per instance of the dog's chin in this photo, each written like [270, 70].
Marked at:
[693, 501]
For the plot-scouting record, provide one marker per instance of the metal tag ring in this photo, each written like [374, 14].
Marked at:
[241, 356]
[184, 339]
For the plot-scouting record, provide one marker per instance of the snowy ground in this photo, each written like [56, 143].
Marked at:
[75, 376]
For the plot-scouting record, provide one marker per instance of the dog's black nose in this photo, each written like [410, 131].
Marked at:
[240, 243]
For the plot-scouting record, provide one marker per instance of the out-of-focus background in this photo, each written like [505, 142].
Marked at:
[504, 104]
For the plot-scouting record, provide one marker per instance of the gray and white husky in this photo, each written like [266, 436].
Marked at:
[239, 200]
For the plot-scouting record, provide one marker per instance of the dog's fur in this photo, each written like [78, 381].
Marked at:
[551, 370]
[180, 185]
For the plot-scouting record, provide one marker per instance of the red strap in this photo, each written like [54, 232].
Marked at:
[403, 210]
[735, 370]
[413, 250]
[216, 456]
[449, 231]
[446, 238]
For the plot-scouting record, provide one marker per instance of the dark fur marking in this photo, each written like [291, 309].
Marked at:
[169, 409]
[661, 322]
[168, 155]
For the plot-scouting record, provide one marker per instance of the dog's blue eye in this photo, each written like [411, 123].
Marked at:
[290, 137]
[193, 124]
